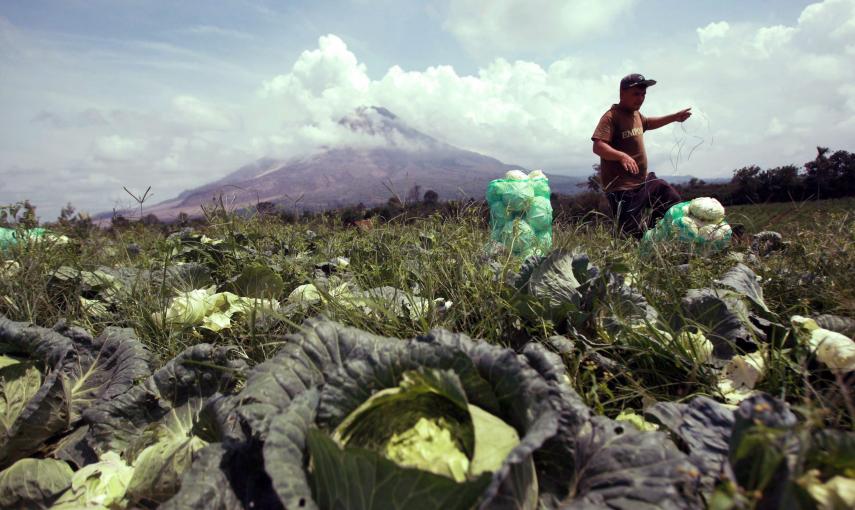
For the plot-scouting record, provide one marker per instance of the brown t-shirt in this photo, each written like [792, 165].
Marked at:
[623, 130]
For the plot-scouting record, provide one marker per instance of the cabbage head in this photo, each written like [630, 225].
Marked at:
[707, 209]
[341, 418]
[833, 349]
[212, 310]
[426, 423]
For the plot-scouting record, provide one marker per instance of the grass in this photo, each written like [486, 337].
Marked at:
[612, 369]
[790, 217]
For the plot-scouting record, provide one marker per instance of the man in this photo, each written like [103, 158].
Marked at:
[619, 141]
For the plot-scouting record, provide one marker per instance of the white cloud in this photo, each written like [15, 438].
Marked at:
[710, 36]
[202, 115]
[776, 127]
[761, 93]
[743, 40]
[770, 39]
[329, 73]
[714, 30]
[118, 148]
[499, 27]
[510, 110]
[217, 31]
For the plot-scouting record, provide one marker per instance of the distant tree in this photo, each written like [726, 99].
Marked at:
[150, 220]
[182, 220]
[844, 172]
[780, 184]
[414, 194]
[830, 176]
[21, 214]
[28, 217]
[592, 183]
[818, 174]
[119, 222]
[394, 203]
[80, 224]
[265, 208]
[431, 197]
[747, 184]
[287, 217]
[66, 214]
[350, 215]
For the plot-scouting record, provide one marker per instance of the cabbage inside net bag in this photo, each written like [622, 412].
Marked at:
[698, 223]
[520, 212]
[10, 237]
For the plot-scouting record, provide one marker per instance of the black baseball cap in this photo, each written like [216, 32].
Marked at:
[635, 80]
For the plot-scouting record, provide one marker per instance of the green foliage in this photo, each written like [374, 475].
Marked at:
[623, 332]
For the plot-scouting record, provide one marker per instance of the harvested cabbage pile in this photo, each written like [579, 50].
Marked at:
[521, 213]
[699, 222]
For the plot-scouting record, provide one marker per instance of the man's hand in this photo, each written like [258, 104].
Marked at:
[658, 122]
[629, 164]
[606, 151]
[682, 115]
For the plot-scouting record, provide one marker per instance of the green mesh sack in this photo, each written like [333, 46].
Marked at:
[520, 213]
[9, 237]
[679, 225]
[498, 218]
[675, 212]
[540, 187]
[539, 214]
[517, 195]
[544, 241]
[518, 237]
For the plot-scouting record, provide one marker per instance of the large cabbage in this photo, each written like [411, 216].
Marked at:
[61, 373]
[344, 419]
[761, 455]
[159, 425]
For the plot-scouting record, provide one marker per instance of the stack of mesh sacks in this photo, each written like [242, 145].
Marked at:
[699, 223]
[520, 212]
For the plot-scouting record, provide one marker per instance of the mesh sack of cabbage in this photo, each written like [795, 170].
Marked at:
[698, 223]
[520, 212]
[10, 238]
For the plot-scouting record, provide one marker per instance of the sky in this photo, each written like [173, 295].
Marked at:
[97, 95]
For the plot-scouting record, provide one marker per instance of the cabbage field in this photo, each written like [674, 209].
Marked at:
[249, 363]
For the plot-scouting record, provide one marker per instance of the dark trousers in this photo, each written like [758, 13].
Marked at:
[630, 208]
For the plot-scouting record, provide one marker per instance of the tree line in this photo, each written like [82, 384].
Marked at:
[828, 175]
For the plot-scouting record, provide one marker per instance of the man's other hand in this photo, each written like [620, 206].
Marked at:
[629, 164]
[682, 115]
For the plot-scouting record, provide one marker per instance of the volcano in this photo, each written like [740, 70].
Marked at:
[391, 159]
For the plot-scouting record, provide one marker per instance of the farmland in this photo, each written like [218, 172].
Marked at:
[790, 217]
[263, 342]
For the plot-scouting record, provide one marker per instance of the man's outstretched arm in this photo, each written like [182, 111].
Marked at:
[658, 122]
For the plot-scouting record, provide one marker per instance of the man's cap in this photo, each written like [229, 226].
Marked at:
[635, 80]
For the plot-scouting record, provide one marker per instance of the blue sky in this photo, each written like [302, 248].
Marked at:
[108, 93]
